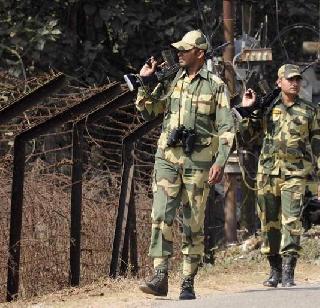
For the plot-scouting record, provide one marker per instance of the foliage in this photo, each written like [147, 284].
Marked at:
[98, 40]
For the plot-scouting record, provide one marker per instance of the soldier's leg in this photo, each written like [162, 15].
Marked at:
[269, 212]
[292, 192]
[166, 200]
[194, 196]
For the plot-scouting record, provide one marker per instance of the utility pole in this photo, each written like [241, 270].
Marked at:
[229, 50]
[248, 216]
[230, 181]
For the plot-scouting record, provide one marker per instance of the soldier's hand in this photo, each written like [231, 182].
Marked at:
[248, 98]
[215, 174]
[318, 191]
[148, 68]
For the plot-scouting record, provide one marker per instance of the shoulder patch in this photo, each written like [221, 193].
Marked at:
[276, 111]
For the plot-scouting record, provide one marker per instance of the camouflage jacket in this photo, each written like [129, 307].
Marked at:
[201, 104]
[291, 138]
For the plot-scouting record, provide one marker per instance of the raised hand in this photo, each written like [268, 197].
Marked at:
[248, 98]
[149, 67]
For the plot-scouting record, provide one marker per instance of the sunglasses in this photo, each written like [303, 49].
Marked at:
[186, 51]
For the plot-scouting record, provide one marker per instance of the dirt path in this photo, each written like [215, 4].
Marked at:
[125, 293]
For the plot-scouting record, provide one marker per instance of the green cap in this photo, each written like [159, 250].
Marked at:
[288, 71]
[191, 39]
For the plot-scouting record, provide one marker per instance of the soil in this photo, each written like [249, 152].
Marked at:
[227, 276]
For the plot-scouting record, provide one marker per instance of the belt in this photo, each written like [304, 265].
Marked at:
[286, 156]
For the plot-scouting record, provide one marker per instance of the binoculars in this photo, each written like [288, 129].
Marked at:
[187, 136]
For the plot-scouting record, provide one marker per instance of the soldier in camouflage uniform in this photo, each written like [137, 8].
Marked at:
[290, 128]
[197, 104]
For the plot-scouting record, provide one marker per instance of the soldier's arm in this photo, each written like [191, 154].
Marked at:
[251, 130]
[315, 137]
[225, 125]
[150, 108]
[250, 127]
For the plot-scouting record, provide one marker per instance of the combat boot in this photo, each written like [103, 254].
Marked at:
[288, 266]
[187, 289]
[275, 262]
[158, 285]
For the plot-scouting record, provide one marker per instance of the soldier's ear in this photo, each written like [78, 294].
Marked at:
[201, 53]
[278, 82]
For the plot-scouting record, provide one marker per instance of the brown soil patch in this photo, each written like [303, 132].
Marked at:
[237, 276]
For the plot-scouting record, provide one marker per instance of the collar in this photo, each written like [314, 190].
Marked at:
[203, 72]
[295, 101]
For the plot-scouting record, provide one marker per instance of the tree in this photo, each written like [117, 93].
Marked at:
[98, 40]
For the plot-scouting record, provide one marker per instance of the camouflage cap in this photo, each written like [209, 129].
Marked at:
[289, 71]
[191, 39]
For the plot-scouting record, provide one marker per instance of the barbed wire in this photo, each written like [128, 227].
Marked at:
[46, 215]
[45, 241]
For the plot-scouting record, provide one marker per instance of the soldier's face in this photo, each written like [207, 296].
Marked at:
[290, 86]
[190, 57]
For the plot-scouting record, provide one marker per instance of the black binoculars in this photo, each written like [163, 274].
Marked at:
[187, 136]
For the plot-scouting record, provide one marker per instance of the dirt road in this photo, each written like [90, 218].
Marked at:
[228, 286]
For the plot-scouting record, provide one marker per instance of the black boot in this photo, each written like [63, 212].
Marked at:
[158, 285]
[187, 290]
[275, 262]
[288, 266]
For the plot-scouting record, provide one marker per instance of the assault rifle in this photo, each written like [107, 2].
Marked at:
[262, 104]
[170, 68]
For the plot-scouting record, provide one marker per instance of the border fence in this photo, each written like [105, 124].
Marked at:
[75, 172]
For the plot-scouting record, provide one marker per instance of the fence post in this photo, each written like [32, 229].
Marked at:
[16, 219]
[125, 249]
[125, 193]
[133, 234]
[130, 239]
[76, 203]
[126, 189]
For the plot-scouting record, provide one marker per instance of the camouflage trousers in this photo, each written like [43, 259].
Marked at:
[279, 205]
[173, 187]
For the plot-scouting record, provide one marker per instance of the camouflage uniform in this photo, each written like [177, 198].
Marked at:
[201, 104]
[289, 132]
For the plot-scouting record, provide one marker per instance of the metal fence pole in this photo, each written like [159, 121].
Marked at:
[76, 203]
[16, 219]
[125, 193]
[130, 240]
[126, 189]
[125, 250]
[133, 235]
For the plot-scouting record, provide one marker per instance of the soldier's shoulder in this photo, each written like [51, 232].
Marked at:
[215, 79]
[308, 104]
